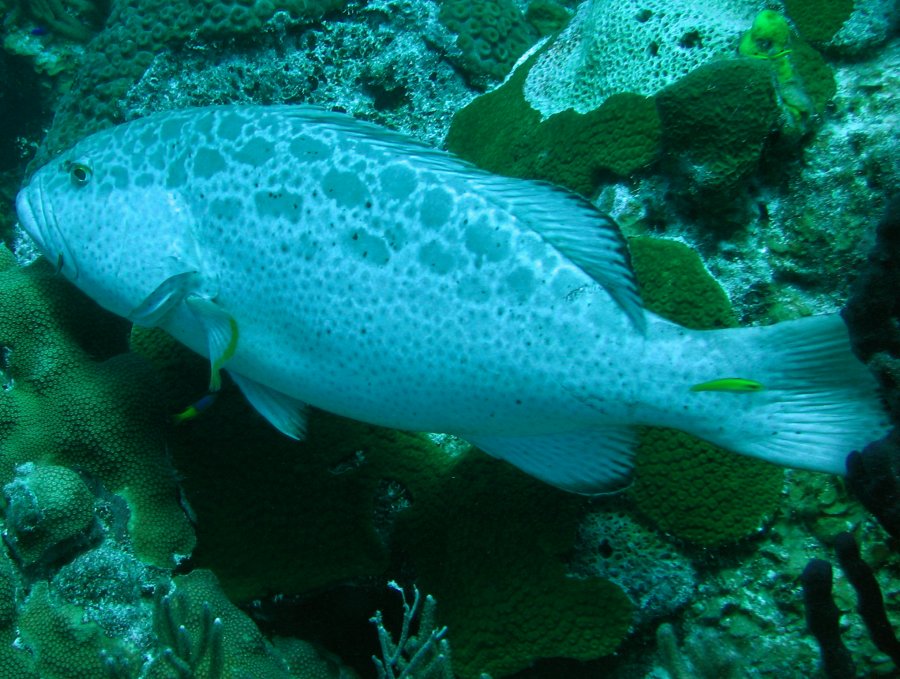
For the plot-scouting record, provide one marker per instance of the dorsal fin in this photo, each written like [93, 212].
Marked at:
[590, 239]
[584, 235]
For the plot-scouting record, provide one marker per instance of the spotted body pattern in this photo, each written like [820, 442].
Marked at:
[324, 261]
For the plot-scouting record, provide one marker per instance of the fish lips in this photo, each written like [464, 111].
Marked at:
[37, 219]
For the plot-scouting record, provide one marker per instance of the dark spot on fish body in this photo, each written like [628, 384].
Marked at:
[119, 177]
[230, 127]
[256, 151]
[144, 180]
[202, 126]
[208, 162]
[307, 148]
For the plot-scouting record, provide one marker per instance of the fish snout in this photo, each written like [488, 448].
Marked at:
[28, 219]
[37, 219]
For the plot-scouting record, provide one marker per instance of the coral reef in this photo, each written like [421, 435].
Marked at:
[384, 61]
[423, 654]
[498, 574]
[78, 21]
[48, 508]
[491, 35]
[134, 32]
[655, 576]
[639, 47]
[63, 407]
[500, 132]
[823, 616]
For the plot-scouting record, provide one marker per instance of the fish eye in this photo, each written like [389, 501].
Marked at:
[79, 173]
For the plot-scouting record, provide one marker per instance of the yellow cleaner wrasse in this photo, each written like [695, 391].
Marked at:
[325, 261]
[733, 384]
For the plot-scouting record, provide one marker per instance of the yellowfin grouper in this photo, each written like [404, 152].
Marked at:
[320, 260]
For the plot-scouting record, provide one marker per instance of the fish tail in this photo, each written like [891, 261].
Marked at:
[816, 402]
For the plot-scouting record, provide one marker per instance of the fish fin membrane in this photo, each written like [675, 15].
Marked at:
[565, 220]
[168, 295]
[588, 238]
[221, 334]
[593, 462]
[820, 403]
[285, 413]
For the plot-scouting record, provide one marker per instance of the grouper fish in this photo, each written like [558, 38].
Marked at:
[323, 261]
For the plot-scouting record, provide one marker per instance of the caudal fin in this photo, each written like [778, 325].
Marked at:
[817, 403]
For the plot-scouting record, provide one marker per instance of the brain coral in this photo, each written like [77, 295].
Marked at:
[492, 34]
[614, 46]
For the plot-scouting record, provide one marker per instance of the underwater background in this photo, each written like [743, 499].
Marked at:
[748, 150]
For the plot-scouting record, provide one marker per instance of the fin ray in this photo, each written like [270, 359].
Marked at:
[221, 334]
[167, 295]
[820, 402]
[285, 413]
[589, 462]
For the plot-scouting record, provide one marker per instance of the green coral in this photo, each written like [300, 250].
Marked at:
[768, 37]
[818, 20]
[501, 133]
[675, 284]
[489, 544]
[65, 647]
[547, 16]
[73, 402]
[202, 634]
[690, 488]
[491, 34]
[700, 493]
[47, 506]
[14, 662]
[716, 121]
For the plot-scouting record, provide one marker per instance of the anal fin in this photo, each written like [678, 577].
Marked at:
[590, 462]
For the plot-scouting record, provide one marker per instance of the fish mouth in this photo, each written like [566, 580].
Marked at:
[37, 219]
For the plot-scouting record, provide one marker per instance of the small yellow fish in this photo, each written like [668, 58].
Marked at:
[739, 384]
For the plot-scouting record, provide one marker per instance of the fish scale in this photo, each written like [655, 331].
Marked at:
[321, 260]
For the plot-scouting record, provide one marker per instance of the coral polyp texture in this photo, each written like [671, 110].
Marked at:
[633, 46]
[491, 34]
[500, 132]
[63, 407]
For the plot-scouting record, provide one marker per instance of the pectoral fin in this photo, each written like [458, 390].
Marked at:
[169, 294]
[285, 413]
[221, 334]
